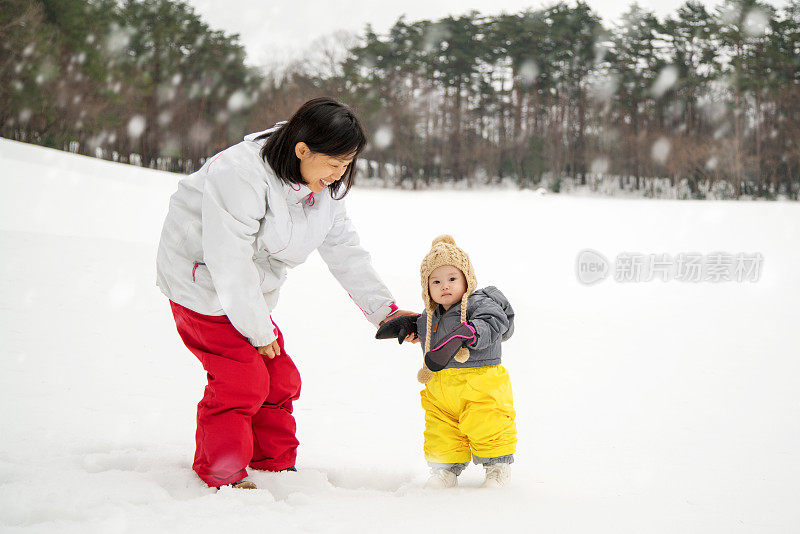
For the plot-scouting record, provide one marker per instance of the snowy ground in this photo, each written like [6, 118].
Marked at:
[642, 407]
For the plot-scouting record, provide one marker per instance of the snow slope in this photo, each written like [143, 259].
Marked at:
[657, 407]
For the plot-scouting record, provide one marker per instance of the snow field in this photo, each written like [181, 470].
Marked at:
[659, 406]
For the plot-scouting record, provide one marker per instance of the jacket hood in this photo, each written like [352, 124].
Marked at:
[295, 193]
[260, 136]
[496, 295]
[492, 293]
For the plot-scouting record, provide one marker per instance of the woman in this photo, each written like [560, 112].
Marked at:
[232, 230]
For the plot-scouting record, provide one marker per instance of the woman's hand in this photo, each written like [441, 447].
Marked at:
[395, 314]
[402, 327]
[271, 350]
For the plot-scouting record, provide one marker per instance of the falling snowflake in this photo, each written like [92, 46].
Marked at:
[222, 117]
[665, 81]
[382, 138]
[756, 23]
[200, 133]
[118, 39]
[171, 146]
[164, 118]
[47, 71]
[166, 93]
[528, 72]
[603, 88]
[434, 37]
[238, 101]
[599, 166]
[136, 126]
[660, 150]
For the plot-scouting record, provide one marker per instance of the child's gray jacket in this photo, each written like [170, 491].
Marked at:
[488, 311]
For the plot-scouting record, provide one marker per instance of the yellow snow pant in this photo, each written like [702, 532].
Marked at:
[468, 412]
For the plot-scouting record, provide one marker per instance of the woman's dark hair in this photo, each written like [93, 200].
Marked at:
[327, 127]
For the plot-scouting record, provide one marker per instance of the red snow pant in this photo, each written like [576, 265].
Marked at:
[245, 417]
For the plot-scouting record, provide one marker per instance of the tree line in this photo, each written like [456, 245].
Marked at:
[700, 103]
[144, 81]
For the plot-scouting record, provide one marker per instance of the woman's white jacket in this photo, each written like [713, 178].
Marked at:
[232, 230]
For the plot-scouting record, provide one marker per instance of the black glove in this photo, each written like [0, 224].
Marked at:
[398, 327]
[461, 336]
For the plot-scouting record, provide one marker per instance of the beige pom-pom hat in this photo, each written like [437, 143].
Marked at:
[444, 252]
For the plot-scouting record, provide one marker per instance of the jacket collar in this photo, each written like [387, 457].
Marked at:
[439, 311]
[297, 193]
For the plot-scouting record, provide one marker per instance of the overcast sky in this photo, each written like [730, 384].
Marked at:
[272, 29]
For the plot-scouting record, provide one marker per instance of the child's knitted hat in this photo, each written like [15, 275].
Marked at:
[444, 252]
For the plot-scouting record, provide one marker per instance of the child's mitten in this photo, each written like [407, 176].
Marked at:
[438, 358]
[399, 327]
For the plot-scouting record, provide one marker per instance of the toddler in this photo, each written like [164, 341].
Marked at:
[469, 411]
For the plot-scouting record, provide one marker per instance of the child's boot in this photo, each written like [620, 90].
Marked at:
[497, 475]
[441, 479]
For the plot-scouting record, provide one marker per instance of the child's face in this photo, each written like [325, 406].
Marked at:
[447, 285]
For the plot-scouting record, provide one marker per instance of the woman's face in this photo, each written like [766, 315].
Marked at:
[320, 170]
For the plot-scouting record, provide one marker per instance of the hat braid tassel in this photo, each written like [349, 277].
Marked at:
[424, 375]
